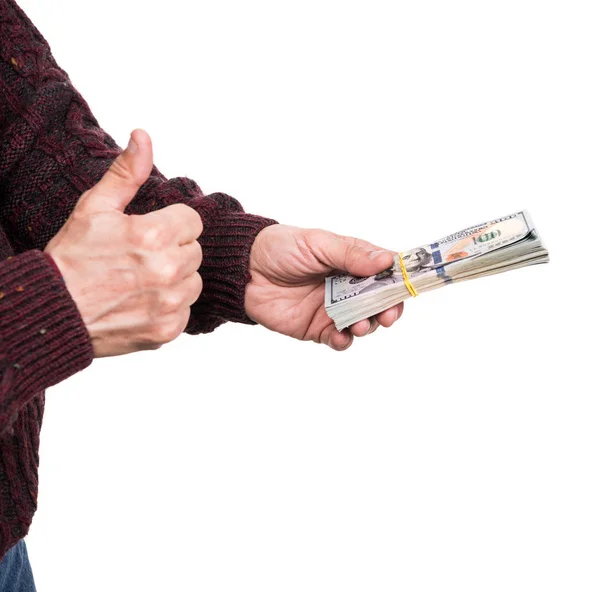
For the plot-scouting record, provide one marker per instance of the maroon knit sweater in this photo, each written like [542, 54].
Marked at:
[51, 151]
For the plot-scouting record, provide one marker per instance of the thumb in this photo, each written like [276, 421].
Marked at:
[354, 256]
[123, 179]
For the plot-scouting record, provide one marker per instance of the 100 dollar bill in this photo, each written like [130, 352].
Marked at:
[483, 249]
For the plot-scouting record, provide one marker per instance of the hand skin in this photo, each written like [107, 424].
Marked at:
[288, 266]
[132, 277]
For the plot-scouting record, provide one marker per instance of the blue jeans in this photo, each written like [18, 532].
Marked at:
[15, 571]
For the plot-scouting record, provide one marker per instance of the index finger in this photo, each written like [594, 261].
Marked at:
[181, 219]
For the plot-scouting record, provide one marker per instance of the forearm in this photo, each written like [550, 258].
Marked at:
[53, 149]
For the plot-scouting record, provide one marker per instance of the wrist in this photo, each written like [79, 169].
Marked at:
[259, 249]
[227, 242]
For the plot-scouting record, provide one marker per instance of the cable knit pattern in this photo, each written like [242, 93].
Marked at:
[52, 149]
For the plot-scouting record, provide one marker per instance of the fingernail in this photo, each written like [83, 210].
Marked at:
[132, 146]
[346, 344]
[343, 345]
[374, 254]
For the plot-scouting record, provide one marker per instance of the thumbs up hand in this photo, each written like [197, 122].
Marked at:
[133, 277]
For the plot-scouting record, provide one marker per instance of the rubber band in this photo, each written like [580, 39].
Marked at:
[407, 281]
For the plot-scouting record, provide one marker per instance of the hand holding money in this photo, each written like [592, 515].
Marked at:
[288, 267]
[485, 249]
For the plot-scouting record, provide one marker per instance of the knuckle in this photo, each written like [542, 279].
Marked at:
[129, 280]
[182, 209]
[351, 240]
[150, 236]
[178, 207]
[353, 256]
[190, 214]
[145, 235]
[199, 255]
[81, 220]
[120, 170]
[198, 284]
[197, 221]
[137, 230]
[200, 224]
[80, 206]
[166, 332]
[169, 273]
[172, 301]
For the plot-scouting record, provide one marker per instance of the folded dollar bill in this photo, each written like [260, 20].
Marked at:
[485, 249]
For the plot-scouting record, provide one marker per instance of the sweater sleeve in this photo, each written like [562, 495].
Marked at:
[43, 339]
[52, 149]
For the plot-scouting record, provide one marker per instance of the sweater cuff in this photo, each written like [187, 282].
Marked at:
[226, 243]
[41, 329]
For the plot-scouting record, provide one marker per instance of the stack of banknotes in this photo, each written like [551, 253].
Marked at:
[485, 249]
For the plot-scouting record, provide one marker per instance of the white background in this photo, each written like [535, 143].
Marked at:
[458, 450]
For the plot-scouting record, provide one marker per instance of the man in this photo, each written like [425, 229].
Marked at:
[418, 260]
[101, 255]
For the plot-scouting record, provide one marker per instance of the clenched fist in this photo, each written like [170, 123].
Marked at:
[133, 277]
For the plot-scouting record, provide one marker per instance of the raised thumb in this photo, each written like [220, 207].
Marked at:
[128, 172]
